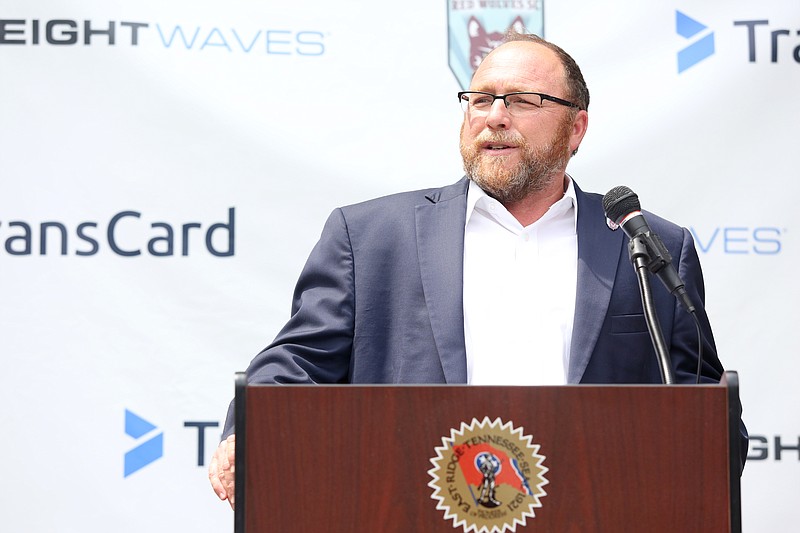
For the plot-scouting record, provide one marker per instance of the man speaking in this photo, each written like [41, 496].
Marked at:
[508, 277]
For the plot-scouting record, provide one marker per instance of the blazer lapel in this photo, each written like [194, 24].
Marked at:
[598, 256]
[440, 246]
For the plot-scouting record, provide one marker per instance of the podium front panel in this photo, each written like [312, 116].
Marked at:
[357, 458]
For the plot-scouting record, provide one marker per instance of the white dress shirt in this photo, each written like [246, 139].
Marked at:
[519, 292]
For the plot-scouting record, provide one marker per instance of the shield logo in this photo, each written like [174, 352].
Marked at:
[476, 27]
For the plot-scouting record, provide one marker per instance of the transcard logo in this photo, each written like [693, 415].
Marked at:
[146, 452]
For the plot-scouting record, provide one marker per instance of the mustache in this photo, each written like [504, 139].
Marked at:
[499, 137]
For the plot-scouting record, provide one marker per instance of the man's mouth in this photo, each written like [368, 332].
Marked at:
[497, 146]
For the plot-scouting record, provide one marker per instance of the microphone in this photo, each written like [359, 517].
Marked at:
[622, 209]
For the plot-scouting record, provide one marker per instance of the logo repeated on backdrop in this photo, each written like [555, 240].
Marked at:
[783, 449]
[700, 49]
[153, 447]
[125, 234]
[739, 240]
[765, 41]
[147, 452]
[783, 42]
[69, 32]
[488, 476]
[476, 27]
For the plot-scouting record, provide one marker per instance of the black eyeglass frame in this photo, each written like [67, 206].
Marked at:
[503, 97]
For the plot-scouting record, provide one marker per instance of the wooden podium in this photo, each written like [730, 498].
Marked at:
[352, 458]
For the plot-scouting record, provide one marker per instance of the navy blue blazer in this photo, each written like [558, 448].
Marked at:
[380, 300]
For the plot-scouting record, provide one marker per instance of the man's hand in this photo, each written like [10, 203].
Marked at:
[221, 471]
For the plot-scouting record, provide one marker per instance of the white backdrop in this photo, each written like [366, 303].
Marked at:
[263, 117]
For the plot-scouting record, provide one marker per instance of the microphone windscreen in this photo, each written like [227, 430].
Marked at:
[619, 202]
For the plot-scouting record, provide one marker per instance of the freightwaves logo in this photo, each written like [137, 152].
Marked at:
[69, 32]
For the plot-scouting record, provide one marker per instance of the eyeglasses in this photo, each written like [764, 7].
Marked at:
[518, 104]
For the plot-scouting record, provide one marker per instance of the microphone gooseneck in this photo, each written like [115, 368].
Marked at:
[647, 252]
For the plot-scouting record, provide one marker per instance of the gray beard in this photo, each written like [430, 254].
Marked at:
[537, 170]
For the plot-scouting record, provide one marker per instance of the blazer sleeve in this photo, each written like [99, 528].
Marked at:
[316, 343]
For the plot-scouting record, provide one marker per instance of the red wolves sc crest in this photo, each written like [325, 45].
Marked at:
[476, 27]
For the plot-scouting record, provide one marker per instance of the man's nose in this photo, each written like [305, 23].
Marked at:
[498, 117]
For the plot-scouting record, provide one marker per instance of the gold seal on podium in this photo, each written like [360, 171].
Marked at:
[488, 477]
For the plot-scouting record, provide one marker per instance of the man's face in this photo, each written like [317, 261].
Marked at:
[511, 157]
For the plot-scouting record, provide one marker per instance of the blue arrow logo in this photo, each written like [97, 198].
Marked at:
[687, 28]
[148, 451]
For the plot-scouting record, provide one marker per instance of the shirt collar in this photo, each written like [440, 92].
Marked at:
[477, 198]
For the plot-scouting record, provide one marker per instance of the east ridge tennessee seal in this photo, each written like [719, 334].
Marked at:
[488, 477]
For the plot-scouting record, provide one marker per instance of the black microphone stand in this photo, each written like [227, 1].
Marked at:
[644, 253]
